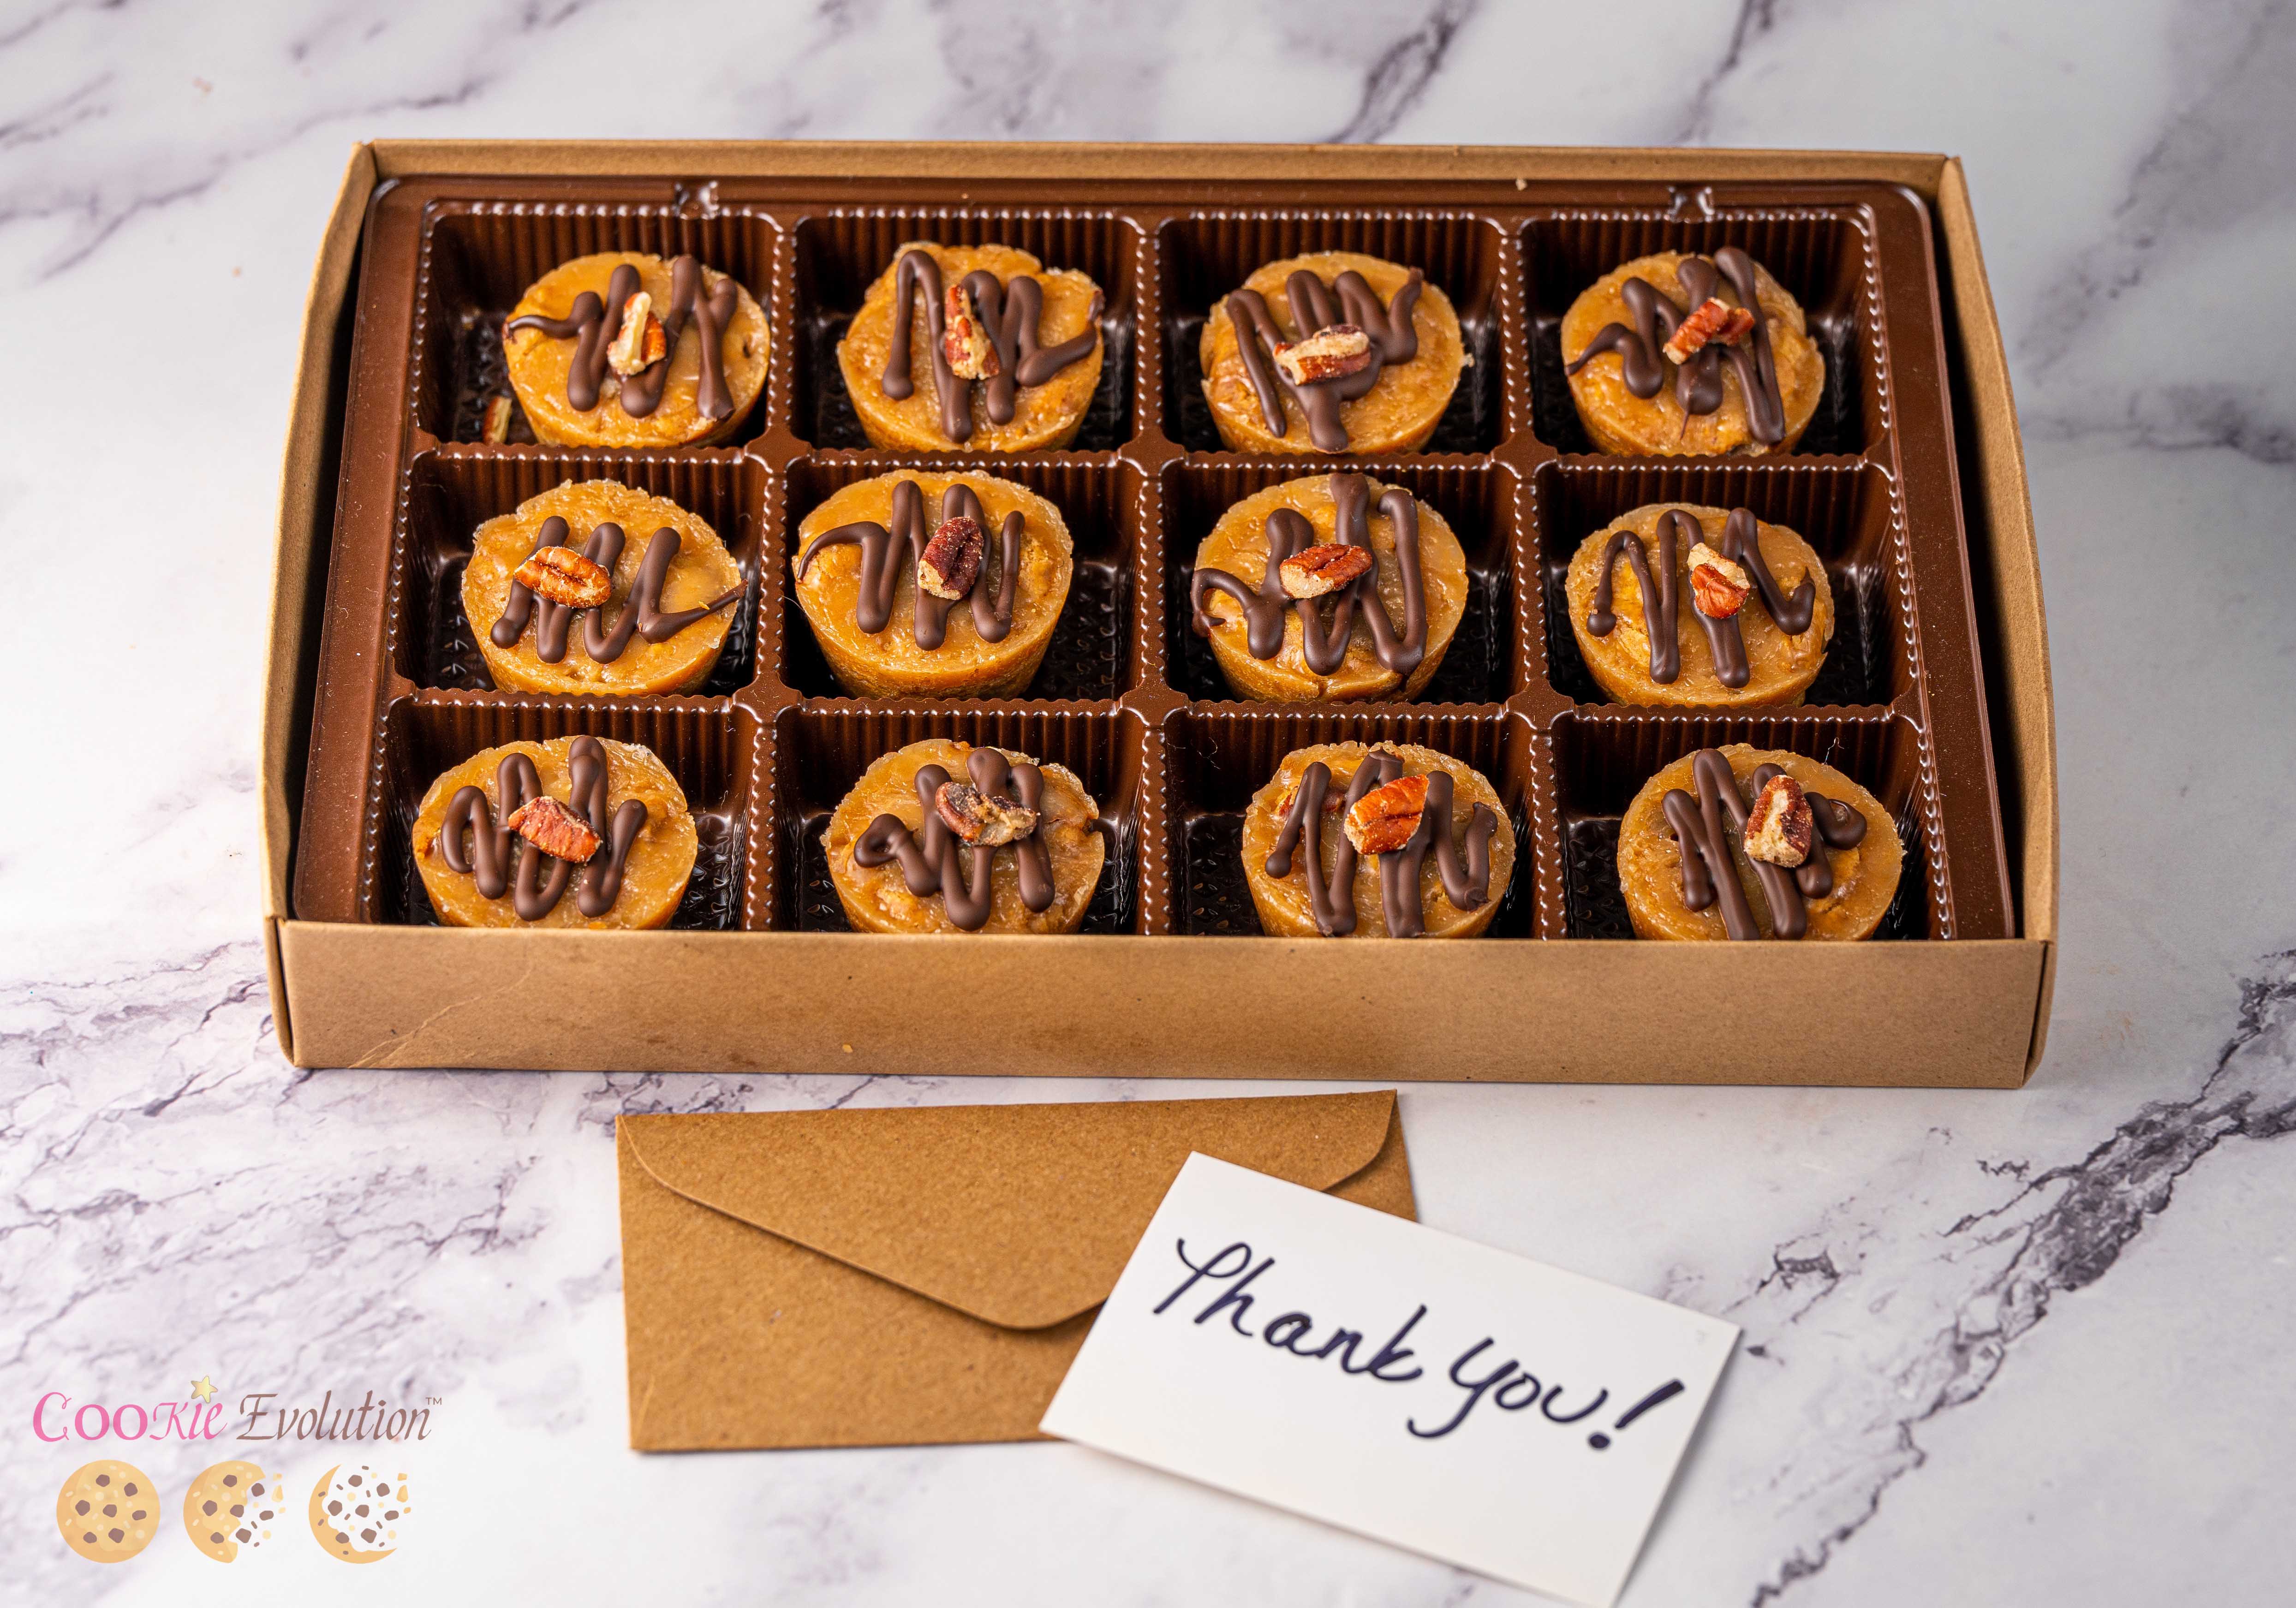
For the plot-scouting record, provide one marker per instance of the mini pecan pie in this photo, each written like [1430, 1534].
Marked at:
[944, 837]
[592, 587]
[1674, 603]
[1389, 840]
[1678, 354]
[624, 349]
[576, 832]
[1332, 352]
[980, 347]
[1329, 587]
[933, 586]
[1741, 842]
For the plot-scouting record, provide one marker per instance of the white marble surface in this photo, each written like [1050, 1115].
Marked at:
[2000, 1348]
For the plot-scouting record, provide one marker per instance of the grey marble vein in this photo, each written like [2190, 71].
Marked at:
[1403, 73]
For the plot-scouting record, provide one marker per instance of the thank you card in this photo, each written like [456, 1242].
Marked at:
[1492, 1411]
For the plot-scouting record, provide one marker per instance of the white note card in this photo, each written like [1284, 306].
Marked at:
[1472, 1405]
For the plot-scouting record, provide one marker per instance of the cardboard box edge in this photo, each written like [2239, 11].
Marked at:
[302, 541]
[432, 997]
[1123, 160]
[2017, 583]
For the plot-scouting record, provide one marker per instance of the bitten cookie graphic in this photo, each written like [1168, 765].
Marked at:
[108, 1511]
[231, 1505]
[356, 1514]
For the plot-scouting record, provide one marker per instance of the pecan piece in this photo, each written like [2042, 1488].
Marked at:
[1384, 818]
[971, 355]
[1313, 571]
[951, 561]
[1713, 319]
[1718, 586]
[1329, 354]
[494, 426]
[564, 576]
[553, 829]
[1335, 798]
[1780, 828]
[641, 342]
[982, 819]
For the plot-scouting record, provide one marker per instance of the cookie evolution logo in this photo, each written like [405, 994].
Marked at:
[108, 1511]
[370, 1420]
[261, 1416]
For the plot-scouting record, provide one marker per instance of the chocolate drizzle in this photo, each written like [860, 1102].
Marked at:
[1697, 383]
[937, 862]
[1324, 638]
[534, 896]
[1393, 339]
[1706, 826]
[594, 324]
[1465, 872]
[1740, 542]
[642, 613]
[886, 555]
[1010, 312]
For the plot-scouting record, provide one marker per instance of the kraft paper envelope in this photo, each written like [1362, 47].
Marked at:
[912, 1276]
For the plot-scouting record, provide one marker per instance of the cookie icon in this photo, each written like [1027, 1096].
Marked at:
[356, 1514]
[229, 1506]
[108, 1511]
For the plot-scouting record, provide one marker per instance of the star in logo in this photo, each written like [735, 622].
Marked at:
[204, 1388]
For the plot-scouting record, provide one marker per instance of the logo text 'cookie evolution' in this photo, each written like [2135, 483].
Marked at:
[370, 1420]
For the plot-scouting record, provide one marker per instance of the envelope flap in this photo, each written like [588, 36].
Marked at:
[1019, 1215]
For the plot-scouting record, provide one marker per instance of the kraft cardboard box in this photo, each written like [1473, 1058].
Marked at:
[1967, 1011]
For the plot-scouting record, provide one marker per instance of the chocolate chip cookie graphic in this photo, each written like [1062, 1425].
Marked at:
[356, 1514]
[108, 1511]
[230, 1506]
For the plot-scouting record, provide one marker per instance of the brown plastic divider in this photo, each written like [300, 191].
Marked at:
[840, 252]
[1602, 756]
[1215, 759]
[708, 747]
[1202, 256]
[1476, 497]
[452, 490]
[1127, 699]
[1844, 508]
[820, 752]
[1824, 256]
[478, 257]
[1096, 654]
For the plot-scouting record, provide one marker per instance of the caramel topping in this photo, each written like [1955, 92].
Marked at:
[1000, 342]
[1705, 828]
[885, 554]
[1741, 544]
[641, 615]
[595, 334]
[1002, 803]
[1465, 871]
[1324, 638]
[517, 786]
[1697, 379]
[1314, 311]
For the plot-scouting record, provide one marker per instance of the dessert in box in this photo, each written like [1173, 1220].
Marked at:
[1098, 664]
[943, 837]
[1333, 587]
[934, 586]
[621, 348]
[1716, 607]
[1011, 354]
[1357, 355]
[543, 581]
